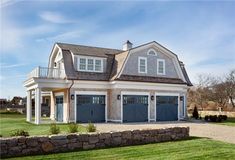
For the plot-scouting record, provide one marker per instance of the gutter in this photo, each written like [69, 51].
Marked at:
[69, 99]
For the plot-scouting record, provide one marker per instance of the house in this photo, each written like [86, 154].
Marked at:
[146, 83]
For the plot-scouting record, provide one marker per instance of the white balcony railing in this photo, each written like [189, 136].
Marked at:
[43, 72]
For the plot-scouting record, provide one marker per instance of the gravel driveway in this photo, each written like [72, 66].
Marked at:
[199, 129]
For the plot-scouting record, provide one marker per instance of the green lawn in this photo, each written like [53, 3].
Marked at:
[9, 122]
[228, 122]
[195, 148]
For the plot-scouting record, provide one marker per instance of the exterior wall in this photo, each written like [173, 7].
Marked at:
[131, 67]
[21, 146]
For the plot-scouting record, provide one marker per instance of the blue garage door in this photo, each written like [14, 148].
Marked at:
[135, 108]
[90, 108]
[167, 108]
[59, 108]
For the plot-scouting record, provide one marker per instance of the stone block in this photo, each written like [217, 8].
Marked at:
[32, 142]
[88, 146]
[83, 137]
[47, 146]
[126, 134]
[116, 134]
[93, 139]
[77, 145]
[104, 135]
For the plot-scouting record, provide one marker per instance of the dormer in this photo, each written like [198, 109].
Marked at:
[90, 64]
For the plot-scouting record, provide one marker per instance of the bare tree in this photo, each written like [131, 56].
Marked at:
[230, 86]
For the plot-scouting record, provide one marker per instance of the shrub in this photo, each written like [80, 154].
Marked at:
[219, 118]
[195, 113]
[91, 127]
[206, 118]
[213, 118]
[54, 129]
[0, 135]
[10, 112]
[224, 117]
[73, 128]
[19, 132]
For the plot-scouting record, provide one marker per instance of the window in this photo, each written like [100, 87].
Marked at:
[142, 65]
[152, 52]
[161, 66]
[82, 64]
[90, 64]
[97, 65]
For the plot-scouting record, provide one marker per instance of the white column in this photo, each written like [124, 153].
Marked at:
[29, 107]
[37, 105]
[185, 106]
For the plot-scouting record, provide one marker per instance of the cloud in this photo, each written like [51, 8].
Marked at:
[55, 17]
[4, 66]
[5, 3]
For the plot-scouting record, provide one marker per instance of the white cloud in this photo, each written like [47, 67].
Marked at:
[55, 17]
[4, 66]
[5, 3]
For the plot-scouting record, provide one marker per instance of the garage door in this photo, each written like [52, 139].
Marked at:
[167, 108]
[90, 108]
[135, 108]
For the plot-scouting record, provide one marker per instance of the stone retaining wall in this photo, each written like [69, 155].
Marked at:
[21, 146]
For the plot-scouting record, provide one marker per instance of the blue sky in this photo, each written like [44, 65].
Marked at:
[202, 34]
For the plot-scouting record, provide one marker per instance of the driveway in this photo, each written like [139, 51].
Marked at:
[199, 129]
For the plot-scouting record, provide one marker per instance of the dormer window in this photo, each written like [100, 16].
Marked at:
[161, 66]
[142, 65]
[152, 52]
[90, 64]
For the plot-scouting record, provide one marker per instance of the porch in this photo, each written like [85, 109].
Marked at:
[42, 85]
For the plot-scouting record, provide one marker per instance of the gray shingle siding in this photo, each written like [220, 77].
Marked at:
[131, 67]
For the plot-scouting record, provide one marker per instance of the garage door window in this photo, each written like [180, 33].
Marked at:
[135, 100]
[98, 100]
[142, 100]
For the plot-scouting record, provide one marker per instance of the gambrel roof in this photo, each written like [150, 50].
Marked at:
[115, 62]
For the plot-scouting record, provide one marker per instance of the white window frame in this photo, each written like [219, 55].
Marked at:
[145, 59]
[86, 68]
[164, 67]
[155, 53]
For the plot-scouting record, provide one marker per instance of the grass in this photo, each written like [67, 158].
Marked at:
[228, 122]
[9, 122]
[194, 148]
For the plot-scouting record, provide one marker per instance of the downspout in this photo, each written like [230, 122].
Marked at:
[69, 100]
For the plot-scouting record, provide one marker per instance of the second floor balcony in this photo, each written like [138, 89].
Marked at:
[44, 72]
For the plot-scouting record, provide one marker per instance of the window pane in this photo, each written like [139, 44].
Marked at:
[160, 67]
[97, 65]
[82, 64]
[90, 65]
[142, 65]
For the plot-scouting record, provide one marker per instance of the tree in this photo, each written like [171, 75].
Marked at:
[195, 113]
[230, 86]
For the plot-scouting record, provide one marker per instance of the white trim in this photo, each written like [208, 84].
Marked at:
[86, 64]
[164, 67]
[135, 93]
[151, 49]
[59, 94]
[145, 63]
[165, 94]
[91, 93]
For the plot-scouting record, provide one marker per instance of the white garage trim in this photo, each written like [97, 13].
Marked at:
[165, 94]
[103, 93]
[135, 93]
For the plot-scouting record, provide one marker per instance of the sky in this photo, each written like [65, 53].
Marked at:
[202, 34]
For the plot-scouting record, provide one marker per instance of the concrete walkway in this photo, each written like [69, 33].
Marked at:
[198, 129]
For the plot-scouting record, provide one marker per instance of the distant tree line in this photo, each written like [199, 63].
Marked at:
[220, 90]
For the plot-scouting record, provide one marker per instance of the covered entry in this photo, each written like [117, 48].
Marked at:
[166, 108]
[59, 108]
[135, 108]
[90, 108]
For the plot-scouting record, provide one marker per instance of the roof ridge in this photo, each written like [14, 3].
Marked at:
[88, 46]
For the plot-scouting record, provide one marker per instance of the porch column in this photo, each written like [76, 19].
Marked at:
[29, 107]
[37, 105]
[185, 106]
